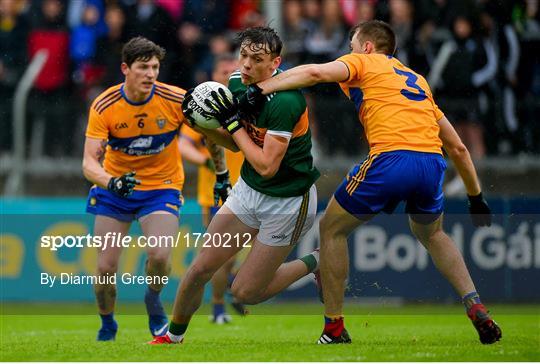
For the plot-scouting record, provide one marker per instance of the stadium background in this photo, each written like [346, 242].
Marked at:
[43, 190]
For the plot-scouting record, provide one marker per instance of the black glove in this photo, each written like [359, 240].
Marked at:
[222, 188]
[187, 111]
[479, 210]
[225, 111]
[123, 186]
[252, 101]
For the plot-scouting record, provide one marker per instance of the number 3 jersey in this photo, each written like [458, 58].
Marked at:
[141, 136]
[394, 104]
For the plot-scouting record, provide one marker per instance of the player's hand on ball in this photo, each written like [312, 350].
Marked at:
[123, 186]
[252, 101]
[479, 210]
[222, 188]
[224, 110]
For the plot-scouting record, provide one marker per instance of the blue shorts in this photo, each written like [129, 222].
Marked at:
[383, 180]
[138, 204]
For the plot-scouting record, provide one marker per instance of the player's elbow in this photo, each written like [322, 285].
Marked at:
[268, 172]
[314, 74]
[85, 168]
[457, 151]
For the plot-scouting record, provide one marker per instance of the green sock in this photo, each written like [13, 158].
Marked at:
[177, 329]
[310, 262]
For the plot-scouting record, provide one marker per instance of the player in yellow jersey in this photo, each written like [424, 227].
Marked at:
[193, 146]
[133, 128]
[405, 130]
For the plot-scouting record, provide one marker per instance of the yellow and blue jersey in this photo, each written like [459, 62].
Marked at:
[400, 120]
[394, 104]
[141, 136]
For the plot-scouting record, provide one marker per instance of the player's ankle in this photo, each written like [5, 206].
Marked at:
[175, 338]
[334, 324]
[470, 299]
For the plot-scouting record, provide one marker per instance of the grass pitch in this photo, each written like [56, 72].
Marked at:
[409, 333]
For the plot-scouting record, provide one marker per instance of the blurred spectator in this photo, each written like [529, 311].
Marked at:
[526, 17]
[295, 29]
[245, 14]
[75, 14]
[467, 64]
[327, 40]
[109, 49]
[147, 19]
[175, 8]
[218, 45]
[211, 17]
[13, 33]
[50, 103]
[84, 38]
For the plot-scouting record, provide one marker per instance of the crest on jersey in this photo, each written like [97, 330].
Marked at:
[161, 122]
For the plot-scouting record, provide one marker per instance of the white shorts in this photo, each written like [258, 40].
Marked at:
[281, 221]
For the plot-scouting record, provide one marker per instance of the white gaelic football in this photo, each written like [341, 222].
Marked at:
[197, 105]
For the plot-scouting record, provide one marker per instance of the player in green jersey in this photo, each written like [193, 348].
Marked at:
[274, 202]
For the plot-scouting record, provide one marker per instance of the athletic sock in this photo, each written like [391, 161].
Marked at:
[470, 299]
[333, 326]
[153, 302]
[107, 321]
[219, 309]
[176, 331]
[311, 261]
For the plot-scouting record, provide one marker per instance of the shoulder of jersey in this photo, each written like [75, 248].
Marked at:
[169, 92]
[107, 98]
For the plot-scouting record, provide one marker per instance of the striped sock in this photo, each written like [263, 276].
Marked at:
[470, 299]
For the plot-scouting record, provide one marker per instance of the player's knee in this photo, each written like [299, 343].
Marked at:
[200, 272]
[106, 268]
[246, 295]
[328, 229]
[158, 259]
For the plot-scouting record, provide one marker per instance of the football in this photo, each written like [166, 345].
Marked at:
[198, 107]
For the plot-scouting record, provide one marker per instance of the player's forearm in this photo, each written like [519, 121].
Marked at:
[261, 162]
[462, 161]
[218, 156]
[297, 77]
[95, 173]
[220, 137]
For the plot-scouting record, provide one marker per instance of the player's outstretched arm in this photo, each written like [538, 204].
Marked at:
[459, 154]
[220, 137]
[305, 76]
[94, 150]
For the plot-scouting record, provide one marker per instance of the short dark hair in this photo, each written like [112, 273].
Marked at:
[377, 31]
[141, 49]
[266, 36]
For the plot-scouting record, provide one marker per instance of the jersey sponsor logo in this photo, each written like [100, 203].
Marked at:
[161, 121]
[121, 125]
[144, 142]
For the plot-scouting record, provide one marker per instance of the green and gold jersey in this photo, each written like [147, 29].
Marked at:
[284, 114]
